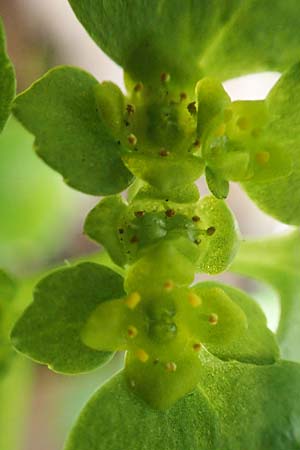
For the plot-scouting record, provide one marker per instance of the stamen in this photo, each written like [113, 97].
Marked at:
[197, 347]
[165, 77]
[194, 300]
[243, 123]
[133, 300]
[170, 213]
[171, 367]
[132, 331]
[196, 219]
[210, 231]
[213, 319]
[132, 139]
[139, 213]
[142, 355]
[169, 286]
[262, 158]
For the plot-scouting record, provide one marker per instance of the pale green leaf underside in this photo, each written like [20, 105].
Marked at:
[236, 407]
[281, 198]
[276, 261]
[257, 344]
[49, 330]
[7, 80]
[61, 111]
[211, 37]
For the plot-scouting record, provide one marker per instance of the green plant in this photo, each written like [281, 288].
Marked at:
[202, 370]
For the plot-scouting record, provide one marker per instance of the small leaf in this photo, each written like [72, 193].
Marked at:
[49, 330]
[7, 288]
[276, 197]
[219, 246]
[276, 261]
[7, 80]
[254, 344]
[104, 225]
[72, 137]
[217, 185]
[222, 39]
[115, 418]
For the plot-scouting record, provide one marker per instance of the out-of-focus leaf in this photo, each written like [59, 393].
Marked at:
[7, 80]
[276, 261]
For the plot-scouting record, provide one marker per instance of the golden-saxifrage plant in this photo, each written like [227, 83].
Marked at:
[202, 370]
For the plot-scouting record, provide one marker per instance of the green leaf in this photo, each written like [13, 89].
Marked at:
[72, 137]
[276, 261]
[221, 242]
[256, 344]
[276, 197]
[7, 80]
[223, 39]
[115, 418]
[236, 406]
[258, 406]
[49, 330]
[7, 288]
[217, 185]
[103, 224]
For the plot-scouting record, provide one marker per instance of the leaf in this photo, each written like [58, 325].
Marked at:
[7, 288]
[49, 330]
[256, 344]
[236, 406]
[258, 406]
[223, 39]
[217, 185]
[61, 111]
[7, 80]
[276, 197]
[103, 224]
[221, 242]
[115, 418]
[276, 261]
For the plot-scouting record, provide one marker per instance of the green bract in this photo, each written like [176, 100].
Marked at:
[7, 293]
[63, 301]
[71, 136]
[7, 80]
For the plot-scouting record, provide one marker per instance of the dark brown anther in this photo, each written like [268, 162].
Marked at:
[196, 143]
[192, 108]
[210, 231]
[170, 213]
[126, 123]
[197, 241]
[139, 213]
[132, 139]
[196, 219]
[130, 109]
[120, 230]
[165, 77]
[164, 152]
[183, 96]
[138, 87]
[134, 239]
[156, 361]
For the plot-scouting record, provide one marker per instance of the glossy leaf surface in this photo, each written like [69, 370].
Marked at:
[61, 111]
[49, 330]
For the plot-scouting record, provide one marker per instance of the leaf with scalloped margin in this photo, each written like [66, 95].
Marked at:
[61, 110]
[7, 80]
[49, 329]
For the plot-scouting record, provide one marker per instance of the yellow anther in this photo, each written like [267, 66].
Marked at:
[197, 347]
[169, 285]
[171, 367]
[262, 158]
[132, 331]
[213, 319]
[243, 123]
[194, 300]
[133, 300]
[228, 114]
[142, 355]
[220, 131]
[132, 139]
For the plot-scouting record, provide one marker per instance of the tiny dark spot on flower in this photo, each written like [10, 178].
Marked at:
[196, 219]
[164, 152]
[210, 231]
[134, 239]
[192, 108]
[139, 213]
[170, 213]
[121, 230]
